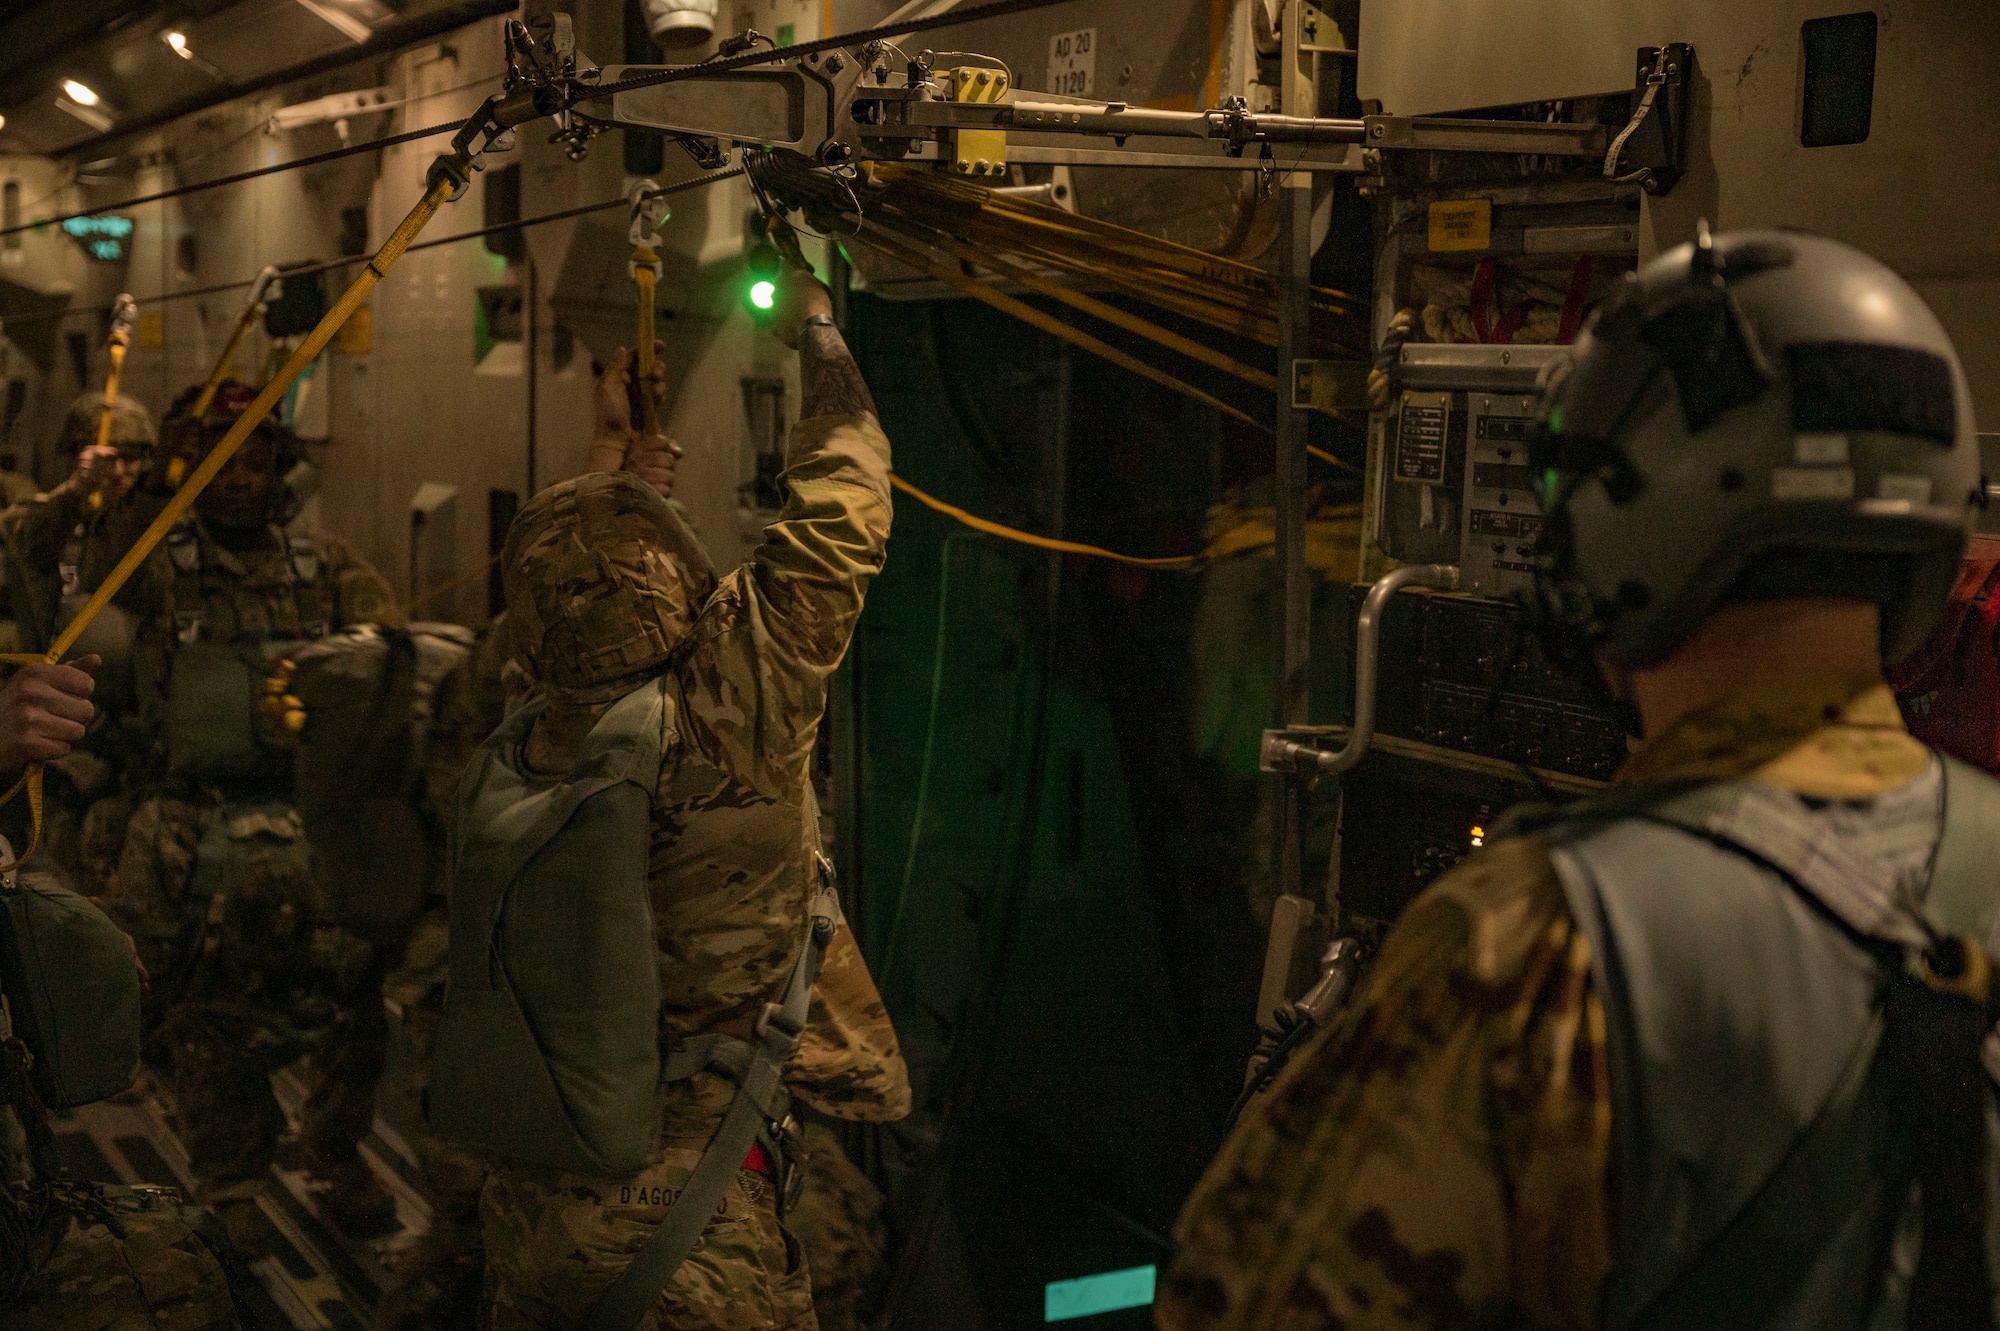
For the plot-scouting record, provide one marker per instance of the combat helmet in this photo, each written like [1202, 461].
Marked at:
[603, 581]
[187, 440]
[1756, 416]
[131, 423]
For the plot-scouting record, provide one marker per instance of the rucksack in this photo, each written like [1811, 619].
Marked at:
[370, 699]
[1949, 689]
[72, 988]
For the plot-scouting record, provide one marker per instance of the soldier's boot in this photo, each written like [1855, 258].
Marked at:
[243, 1220]
[354, 1199]
[436, 1285]
[226, 1117]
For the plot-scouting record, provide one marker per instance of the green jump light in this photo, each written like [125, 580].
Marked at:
[1087, 1296]
[764, 263]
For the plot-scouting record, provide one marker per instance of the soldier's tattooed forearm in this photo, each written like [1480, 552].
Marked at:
[829, 380]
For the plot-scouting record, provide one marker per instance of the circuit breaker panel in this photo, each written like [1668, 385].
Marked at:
[1472, 715]
[1502, 521]
[1454, 486]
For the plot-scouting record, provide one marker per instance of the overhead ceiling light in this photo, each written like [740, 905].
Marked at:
[80, 103]
[177, 42]
[3, 122]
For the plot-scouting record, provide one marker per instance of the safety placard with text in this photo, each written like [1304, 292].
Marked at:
[1073, 62]
[1461, 224]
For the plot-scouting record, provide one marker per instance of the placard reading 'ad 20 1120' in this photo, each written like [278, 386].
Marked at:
[1073, 62]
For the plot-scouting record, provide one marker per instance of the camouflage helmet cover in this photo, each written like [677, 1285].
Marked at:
[603, 580]
[131, 423]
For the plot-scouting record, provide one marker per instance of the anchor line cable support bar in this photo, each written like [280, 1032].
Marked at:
[585, 93]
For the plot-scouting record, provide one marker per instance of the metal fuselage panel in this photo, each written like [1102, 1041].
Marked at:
[1918, 192]
[773, 108]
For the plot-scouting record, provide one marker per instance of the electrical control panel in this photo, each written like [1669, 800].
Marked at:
[1454, 481]
[1471, 714]
[1503, 519]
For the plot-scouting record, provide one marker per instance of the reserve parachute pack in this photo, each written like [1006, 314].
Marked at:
[72, 989]
[215, 729]
[549, 1052]
[366, 698]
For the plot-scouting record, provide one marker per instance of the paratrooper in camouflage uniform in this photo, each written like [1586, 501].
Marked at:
[250, 972]
[1711, 1048]
[436, 1282]
[607, 589]
[59, 547]
[89, 1254]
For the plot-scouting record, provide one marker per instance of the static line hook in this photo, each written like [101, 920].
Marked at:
[649, 212]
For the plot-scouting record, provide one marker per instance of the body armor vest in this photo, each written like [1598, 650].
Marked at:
[1743, 947]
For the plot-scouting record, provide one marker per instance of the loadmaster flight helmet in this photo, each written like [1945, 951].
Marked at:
[1757, 416]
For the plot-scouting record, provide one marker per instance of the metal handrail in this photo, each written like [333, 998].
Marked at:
[1279, 754]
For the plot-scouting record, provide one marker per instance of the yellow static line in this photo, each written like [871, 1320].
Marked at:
[980, 524]
[218, 457]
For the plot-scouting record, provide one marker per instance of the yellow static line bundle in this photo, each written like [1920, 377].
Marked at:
[947, 228]
[1225, 294]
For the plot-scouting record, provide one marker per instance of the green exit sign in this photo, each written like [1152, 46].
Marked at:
[106, 236]
[1087, 1296]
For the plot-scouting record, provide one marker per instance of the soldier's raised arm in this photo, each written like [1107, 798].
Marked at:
[778, 626]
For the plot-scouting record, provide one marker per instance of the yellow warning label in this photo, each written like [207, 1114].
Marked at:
[1462, 224]
[152, 329]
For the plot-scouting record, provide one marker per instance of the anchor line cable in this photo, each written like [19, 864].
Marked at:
[313, 270]
[237, 178]
[950, 18]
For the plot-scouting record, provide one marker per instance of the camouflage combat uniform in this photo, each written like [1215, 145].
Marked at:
[122, 1259]
[1440, 1156]
[838, 1221]
[436, 1282]
[258, 978]
[60, 545]
[604, 586]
